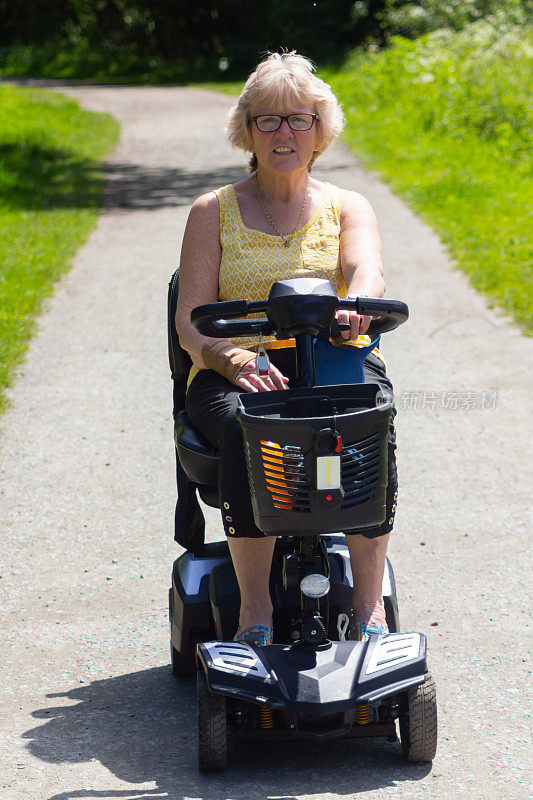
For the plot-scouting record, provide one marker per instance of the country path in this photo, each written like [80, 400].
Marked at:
[90, 709]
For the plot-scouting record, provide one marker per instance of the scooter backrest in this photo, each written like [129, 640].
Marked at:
[179, 359]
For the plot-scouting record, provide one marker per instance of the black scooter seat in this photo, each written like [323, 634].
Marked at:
[316, 682]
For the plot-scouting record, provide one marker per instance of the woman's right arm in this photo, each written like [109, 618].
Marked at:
[199, 268]
[199, 272]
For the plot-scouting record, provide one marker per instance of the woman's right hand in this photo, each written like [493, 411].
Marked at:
[238, 366]
[247, 378]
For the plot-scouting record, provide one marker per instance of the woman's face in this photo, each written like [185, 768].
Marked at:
[285, 150]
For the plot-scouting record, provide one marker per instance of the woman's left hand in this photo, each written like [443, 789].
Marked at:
[358, 325]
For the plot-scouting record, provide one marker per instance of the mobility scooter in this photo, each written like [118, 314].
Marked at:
[317, 465]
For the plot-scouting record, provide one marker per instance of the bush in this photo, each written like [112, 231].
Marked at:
[447, 119]
[414, 19]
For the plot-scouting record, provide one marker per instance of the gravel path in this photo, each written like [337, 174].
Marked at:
[87, 491]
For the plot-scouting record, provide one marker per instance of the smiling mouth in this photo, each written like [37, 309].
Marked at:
[283, 150]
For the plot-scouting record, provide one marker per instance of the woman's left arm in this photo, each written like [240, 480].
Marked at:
[360, 253]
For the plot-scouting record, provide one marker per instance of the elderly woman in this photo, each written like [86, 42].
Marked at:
[279, 223]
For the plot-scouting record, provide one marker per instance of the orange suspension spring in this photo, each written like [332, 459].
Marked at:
[266, 716]
[363, 715]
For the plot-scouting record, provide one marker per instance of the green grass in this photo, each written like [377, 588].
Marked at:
[50, 193]
[446, 119]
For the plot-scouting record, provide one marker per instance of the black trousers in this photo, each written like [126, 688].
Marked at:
[211, 405]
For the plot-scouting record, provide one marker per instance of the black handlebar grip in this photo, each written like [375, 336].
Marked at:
[388, 314]
[210, 319]
[226, 329]
[204, 317]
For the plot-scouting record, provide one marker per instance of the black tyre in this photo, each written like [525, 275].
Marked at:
[418, 722]
[212, 728]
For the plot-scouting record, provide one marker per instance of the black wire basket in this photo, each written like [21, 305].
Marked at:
[317, 458]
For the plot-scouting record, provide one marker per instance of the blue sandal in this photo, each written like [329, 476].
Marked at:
[363, 630]
[260, 635]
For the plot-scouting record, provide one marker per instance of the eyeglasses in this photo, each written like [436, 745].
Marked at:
[268, 123]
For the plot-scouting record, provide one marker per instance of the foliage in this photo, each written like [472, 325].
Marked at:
[50, 192]
[161, 40]
[447, 119]
[155, 41]
[412, 19]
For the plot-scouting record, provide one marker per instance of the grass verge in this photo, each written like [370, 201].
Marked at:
[446, 119]
[50, 193]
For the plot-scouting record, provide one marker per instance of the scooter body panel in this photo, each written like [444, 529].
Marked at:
[316, 682]
[190, 614]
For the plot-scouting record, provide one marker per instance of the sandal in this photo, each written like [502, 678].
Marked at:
[260, 635]
[361, 631]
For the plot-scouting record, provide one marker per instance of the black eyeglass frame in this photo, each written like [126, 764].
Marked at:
[281, 118]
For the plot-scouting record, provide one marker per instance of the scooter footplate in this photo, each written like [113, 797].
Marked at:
[318, 682]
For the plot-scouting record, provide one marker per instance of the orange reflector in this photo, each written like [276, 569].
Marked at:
[272, 482]
[274, 468]
[272, 454]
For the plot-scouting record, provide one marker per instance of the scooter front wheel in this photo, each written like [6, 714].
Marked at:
[418, 722]
[212, 728]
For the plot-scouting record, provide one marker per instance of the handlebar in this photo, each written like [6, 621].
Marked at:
[211, 319]
[294, 307]
[387, 314]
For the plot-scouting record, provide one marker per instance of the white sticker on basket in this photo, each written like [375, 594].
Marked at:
[328, 472]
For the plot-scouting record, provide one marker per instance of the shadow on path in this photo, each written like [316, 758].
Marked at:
[48, 178]
[142, 728]
[131, 186]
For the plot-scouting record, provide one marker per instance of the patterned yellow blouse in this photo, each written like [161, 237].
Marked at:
[252, 260]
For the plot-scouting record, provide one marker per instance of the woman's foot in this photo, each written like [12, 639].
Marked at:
[252, 560]
[361, 631]
[367, 557]
[260, 635]
[369, 617]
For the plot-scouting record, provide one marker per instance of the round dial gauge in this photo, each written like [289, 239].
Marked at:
[315, 585]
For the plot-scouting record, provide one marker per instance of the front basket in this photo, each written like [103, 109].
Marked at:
[316, 458]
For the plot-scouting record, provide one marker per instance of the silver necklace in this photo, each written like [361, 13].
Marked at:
[285, 237]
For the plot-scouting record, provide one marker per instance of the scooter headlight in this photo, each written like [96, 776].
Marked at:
[314, 585]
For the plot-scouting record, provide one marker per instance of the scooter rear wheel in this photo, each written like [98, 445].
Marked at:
[418, 722]
[212, 728]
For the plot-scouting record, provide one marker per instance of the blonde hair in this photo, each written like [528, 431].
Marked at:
[281, 80]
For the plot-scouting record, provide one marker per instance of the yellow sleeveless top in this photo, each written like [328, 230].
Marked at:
[252, 260]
